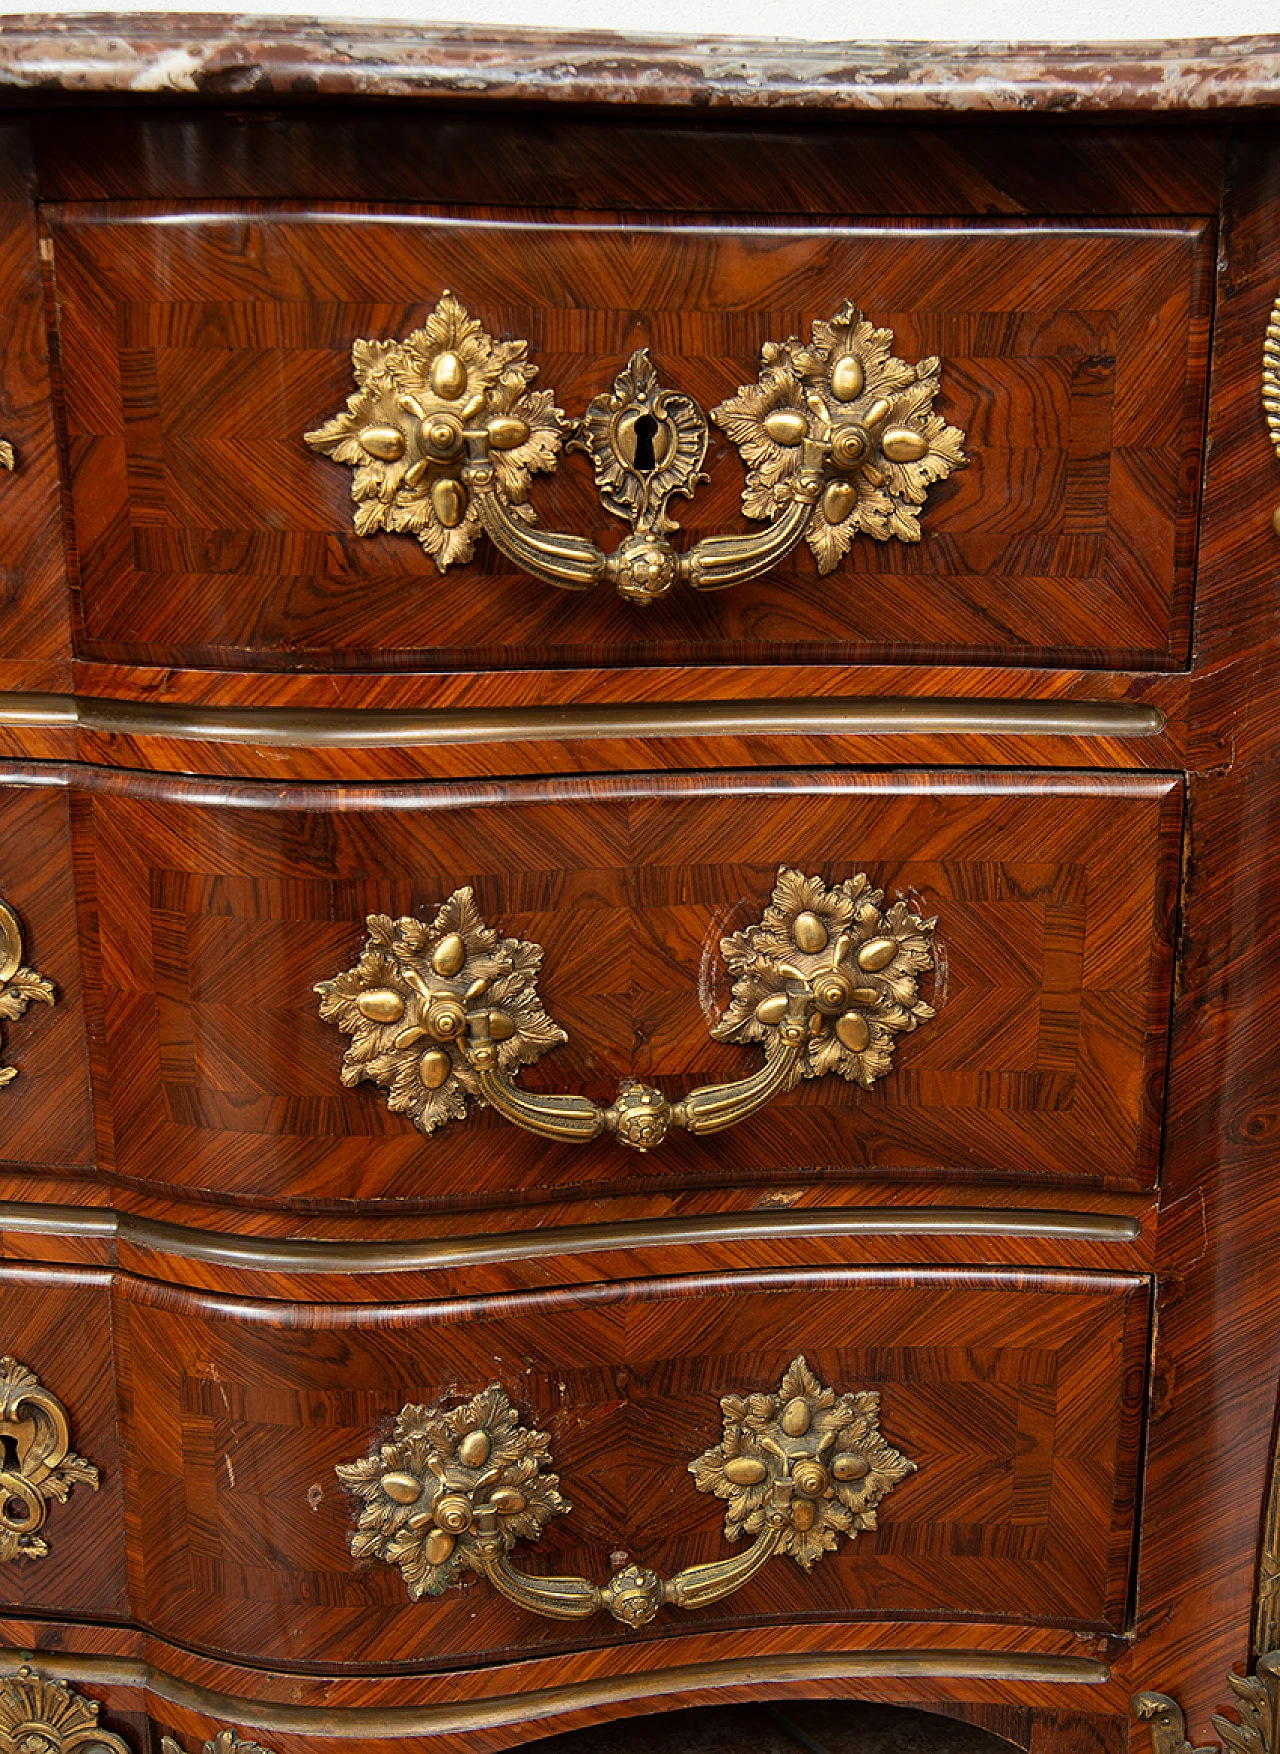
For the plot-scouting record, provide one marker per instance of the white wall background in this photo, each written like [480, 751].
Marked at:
[816, 20]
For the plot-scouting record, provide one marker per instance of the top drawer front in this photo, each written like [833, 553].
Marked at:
[200, 345]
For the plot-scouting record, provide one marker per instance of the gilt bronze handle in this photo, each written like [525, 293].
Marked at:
[454, 1490]
[438, 1013]
[444, 433]
[1271, 388]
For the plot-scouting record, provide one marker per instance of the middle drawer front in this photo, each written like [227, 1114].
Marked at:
[221, 906]
[1018, 1398]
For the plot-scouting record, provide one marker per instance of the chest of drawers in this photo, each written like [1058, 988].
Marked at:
[573, 1152]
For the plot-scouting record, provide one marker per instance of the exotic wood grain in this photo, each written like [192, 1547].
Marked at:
[45, 1114]
[1217, 1360]
[35, 628]
[218, 911]
[716, 165]
[195, 354]
[58, 1323]
[1019, 1397]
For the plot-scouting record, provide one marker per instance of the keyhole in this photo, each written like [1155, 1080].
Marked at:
[645, 431]
[14, 1510]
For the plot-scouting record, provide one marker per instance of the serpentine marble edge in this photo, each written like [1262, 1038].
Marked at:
[225, 55]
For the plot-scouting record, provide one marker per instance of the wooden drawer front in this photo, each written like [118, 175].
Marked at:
[56, 1325]
[35, 610]
[221, 905]
[1018, 1397]
[46, 1109]
[199, 345]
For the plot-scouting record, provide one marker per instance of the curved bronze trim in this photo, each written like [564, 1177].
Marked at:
[255, 1253]
[421, 1720]
[373, 728]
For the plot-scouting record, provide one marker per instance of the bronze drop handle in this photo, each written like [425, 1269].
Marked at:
[444, 433]
[640, 1116]
[457, 1489]
[437, 1013]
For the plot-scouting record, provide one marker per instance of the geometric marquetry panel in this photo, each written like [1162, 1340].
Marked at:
[1017, 1396]
[220, 907]
[195, 356]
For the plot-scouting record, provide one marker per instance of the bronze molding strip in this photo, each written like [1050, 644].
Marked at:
[374, 728]
[454, 1718]
[220, 1249]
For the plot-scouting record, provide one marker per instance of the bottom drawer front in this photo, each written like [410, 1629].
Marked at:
[1017, 1396]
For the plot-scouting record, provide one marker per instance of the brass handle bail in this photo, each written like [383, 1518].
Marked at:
[437, 1013]
[444, 432]
[799, 1469]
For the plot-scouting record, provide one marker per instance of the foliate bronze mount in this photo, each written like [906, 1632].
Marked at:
[444, 433]
[37, 1463]
[1271, 388]
[456, 1490]
[39, 1716]
[18, 985]
[448, 1011]
[1257, 1699]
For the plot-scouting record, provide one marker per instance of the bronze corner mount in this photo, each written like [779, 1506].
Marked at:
[1257, 1699]
[41, 1715]
[444, 433]
[1271, 388]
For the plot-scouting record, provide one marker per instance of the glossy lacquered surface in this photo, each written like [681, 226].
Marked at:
[198, 344]
[1052, 1253]
[1018, 1396]
[218, 908]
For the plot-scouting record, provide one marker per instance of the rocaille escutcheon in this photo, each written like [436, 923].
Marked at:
[19, 986]
[444, 1012]
[456, 1490]
[40, 1465]
[444, 432]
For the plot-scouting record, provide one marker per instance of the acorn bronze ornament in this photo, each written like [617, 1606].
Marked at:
[455, 1490]
[444, 432]
[444, 1012]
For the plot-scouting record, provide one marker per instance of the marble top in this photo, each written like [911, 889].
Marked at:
[241, 56]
